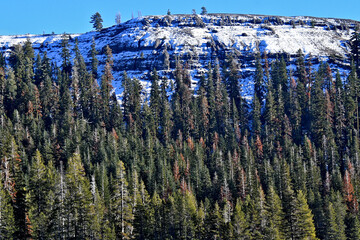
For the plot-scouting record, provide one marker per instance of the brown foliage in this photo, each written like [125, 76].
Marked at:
[350, 197]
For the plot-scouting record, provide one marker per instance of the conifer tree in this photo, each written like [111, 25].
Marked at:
[65, 55]
[352, 226]
[96, 20]
[16, 187]
[274, 215]
[334, 228]
[213, 223]
[239, 222]
[39, 187]
[233, 87]
[143, 214]
[94, 60]
[155, 100]
[303, 227]
[120, 204]
[253, 217]
[318, 112]
[79, 210]
[259, 84]
[106, 84]
[355, 49]
[165, 114]
[10, 93]
[7, 221]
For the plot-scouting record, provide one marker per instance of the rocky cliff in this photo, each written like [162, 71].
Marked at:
[142, 44]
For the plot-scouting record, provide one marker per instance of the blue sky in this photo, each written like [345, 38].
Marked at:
[73, 16]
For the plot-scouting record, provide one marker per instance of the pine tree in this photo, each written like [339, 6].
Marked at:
[334, 228]
[143, 215]
[106, 84]
[155, 99]
[10, 93]
[259, 85]
[254, 219]
[120, 204]
[233, 87]
[78, 208]
[318, 109]
[39, 187]
[355, 49]
[256, 115]
[94, 60]
[203, 11]
[275, 216]
[100, 226]
[352, 226]
[239, 222]
[303, 226]
[96, 20]
[7, 221]
[65, 55]
[213, 223]
[17, 190]
[165, 114]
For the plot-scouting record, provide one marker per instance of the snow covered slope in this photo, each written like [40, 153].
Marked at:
[140, 45]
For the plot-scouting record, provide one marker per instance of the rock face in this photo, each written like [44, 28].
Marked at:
[142, 44]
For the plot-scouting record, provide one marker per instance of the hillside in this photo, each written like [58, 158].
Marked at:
[139, 45]
[191, 158]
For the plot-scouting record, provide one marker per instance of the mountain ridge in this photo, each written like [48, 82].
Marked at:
[158, 41]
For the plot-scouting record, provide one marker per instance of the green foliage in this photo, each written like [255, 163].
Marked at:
[7, 222]
[303, 226]
[120, 202]
[79, 212]
[203, 11]
[96, 20]
[177, 163]
[40, 185]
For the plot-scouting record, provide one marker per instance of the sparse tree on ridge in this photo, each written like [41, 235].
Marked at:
[96, 20]
[118, 18]
[203, 11]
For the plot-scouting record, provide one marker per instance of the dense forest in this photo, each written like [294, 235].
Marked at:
[177, 162]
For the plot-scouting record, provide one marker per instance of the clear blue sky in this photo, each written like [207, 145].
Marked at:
[72, 16]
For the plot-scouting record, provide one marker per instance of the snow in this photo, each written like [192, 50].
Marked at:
[222, 33]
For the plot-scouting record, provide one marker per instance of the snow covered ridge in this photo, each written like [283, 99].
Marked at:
[145, 43]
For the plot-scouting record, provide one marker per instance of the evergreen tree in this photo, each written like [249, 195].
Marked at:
[17, 189]
[78, 208]
[239, 222]
[334, 229]
[213, 223]
[355, 49]
[40, 185]
[120, 204]
[143, 215]
[65, 54]
[96, 20]
[106, 84]
[352, 226]
[94, 60]
[275, 216]
[203, 11]
[259, 80]
[303, 227]
[155, 99]
[7, 221]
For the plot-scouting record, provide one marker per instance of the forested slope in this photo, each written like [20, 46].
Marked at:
[177, 163]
